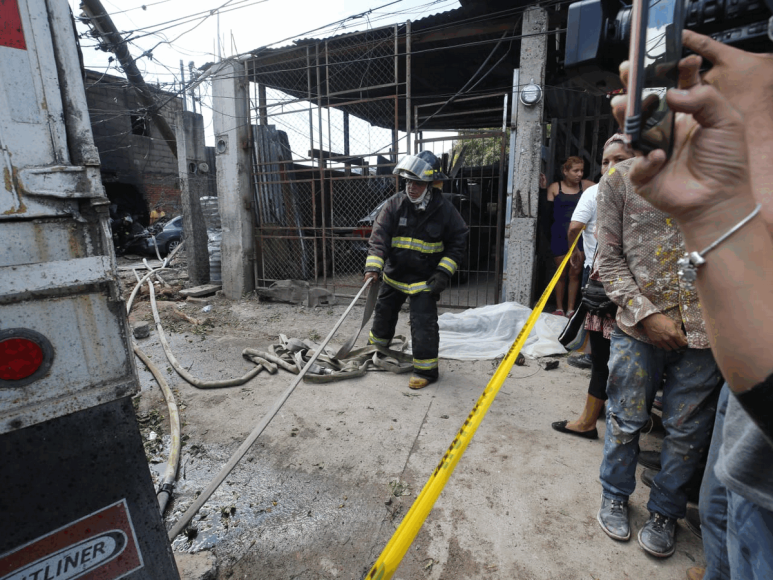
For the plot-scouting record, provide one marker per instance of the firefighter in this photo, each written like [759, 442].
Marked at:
[416, 245]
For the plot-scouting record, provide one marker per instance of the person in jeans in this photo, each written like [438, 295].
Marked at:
[660, 332]
[717, 183]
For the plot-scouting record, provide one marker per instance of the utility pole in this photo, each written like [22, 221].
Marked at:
[193, 90]
[106, 30]
[182, 82]
[521, 233]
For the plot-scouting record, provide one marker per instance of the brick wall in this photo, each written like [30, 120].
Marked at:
[163, 197]
[146, 162]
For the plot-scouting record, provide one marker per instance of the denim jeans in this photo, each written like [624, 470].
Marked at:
[636, 371]
[749, 539]
[713, 504]
[737, 533]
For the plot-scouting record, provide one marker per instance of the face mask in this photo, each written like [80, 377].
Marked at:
[419, 200]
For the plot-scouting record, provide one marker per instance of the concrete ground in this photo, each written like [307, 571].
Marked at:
[323, 489]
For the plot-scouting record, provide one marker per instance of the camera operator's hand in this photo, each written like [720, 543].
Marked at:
[746, 81]
[744, 78]
[709, 166]
[664, 332]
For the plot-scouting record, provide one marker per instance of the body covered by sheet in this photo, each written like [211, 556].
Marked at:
[489, 332]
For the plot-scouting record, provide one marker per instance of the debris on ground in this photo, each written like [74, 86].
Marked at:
[399, 488]
[199, 566]
[549, 365]
[200, 291]
[141, 330]
[297, 292]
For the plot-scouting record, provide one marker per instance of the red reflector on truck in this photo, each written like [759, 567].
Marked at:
[19, 358]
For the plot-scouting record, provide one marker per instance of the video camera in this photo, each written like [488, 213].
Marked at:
[599, 31]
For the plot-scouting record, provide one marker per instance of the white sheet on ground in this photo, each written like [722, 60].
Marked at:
[489, 332]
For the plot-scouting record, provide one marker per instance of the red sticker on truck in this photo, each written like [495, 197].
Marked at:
[11, 31]
[100, 546]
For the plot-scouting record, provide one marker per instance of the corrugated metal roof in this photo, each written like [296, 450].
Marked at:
[448, 48]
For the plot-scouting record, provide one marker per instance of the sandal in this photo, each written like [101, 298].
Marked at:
[558, 313]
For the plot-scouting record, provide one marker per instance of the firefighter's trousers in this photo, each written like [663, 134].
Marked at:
[424, 327]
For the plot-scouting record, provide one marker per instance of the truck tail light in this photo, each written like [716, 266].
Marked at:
[25, 355]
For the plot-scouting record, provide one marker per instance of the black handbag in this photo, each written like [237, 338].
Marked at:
[573, 335]
[595, 299]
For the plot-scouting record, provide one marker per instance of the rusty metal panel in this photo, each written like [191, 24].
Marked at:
[91, 360]
[57, 270]
[39, 176]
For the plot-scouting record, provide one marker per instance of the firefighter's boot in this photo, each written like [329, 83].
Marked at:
[418, 382]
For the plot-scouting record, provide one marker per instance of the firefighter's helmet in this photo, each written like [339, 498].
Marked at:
[424, 166]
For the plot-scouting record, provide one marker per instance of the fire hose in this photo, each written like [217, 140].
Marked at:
[170, 474]
[186, 517]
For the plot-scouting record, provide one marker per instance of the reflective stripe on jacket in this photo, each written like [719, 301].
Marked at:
[409, 245]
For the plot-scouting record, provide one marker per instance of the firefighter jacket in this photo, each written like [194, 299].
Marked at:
[409, 245]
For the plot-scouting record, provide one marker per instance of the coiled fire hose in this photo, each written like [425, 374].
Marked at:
[186, 517]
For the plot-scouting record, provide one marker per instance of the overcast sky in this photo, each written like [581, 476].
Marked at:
[244, 25]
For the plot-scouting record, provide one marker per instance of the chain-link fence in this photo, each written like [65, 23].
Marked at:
[475, 163]
[325, 146]
[326, 141]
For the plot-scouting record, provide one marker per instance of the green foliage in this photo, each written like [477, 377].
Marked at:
[478, 152]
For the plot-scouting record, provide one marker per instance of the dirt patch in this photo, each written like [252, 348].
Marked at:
[312, 498]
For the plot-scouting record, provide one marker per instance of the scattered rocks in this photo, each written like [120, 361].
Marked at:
[141, 330]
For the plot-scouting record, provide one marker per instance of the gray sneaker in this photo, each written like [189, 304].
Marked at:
[657, 537]
[613, 518]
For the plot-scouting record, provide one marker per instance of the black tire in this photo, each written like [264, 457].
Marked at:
[171, 245]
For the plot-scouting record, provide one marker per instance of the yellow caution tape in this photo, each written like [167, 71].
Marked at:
[401, 540]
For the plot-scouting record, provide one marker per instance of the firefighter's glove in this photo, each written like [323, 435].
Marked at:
[438, 282]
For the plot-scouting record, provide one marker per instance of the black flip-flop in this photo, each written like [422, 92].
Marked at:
[560, 426]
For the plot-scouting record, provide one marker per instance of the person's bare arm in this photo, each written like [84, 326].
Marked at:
[552, 191]
[575, 229]
[707, 186]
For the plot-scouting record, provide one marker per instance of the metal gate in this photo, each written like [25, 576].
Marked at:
[475, 162]
[582, 131]
[324, 153]
[323, 158]
[584, 125]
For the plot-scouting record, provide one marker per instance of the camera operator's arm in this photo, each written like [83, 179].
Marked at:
[707, 187]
